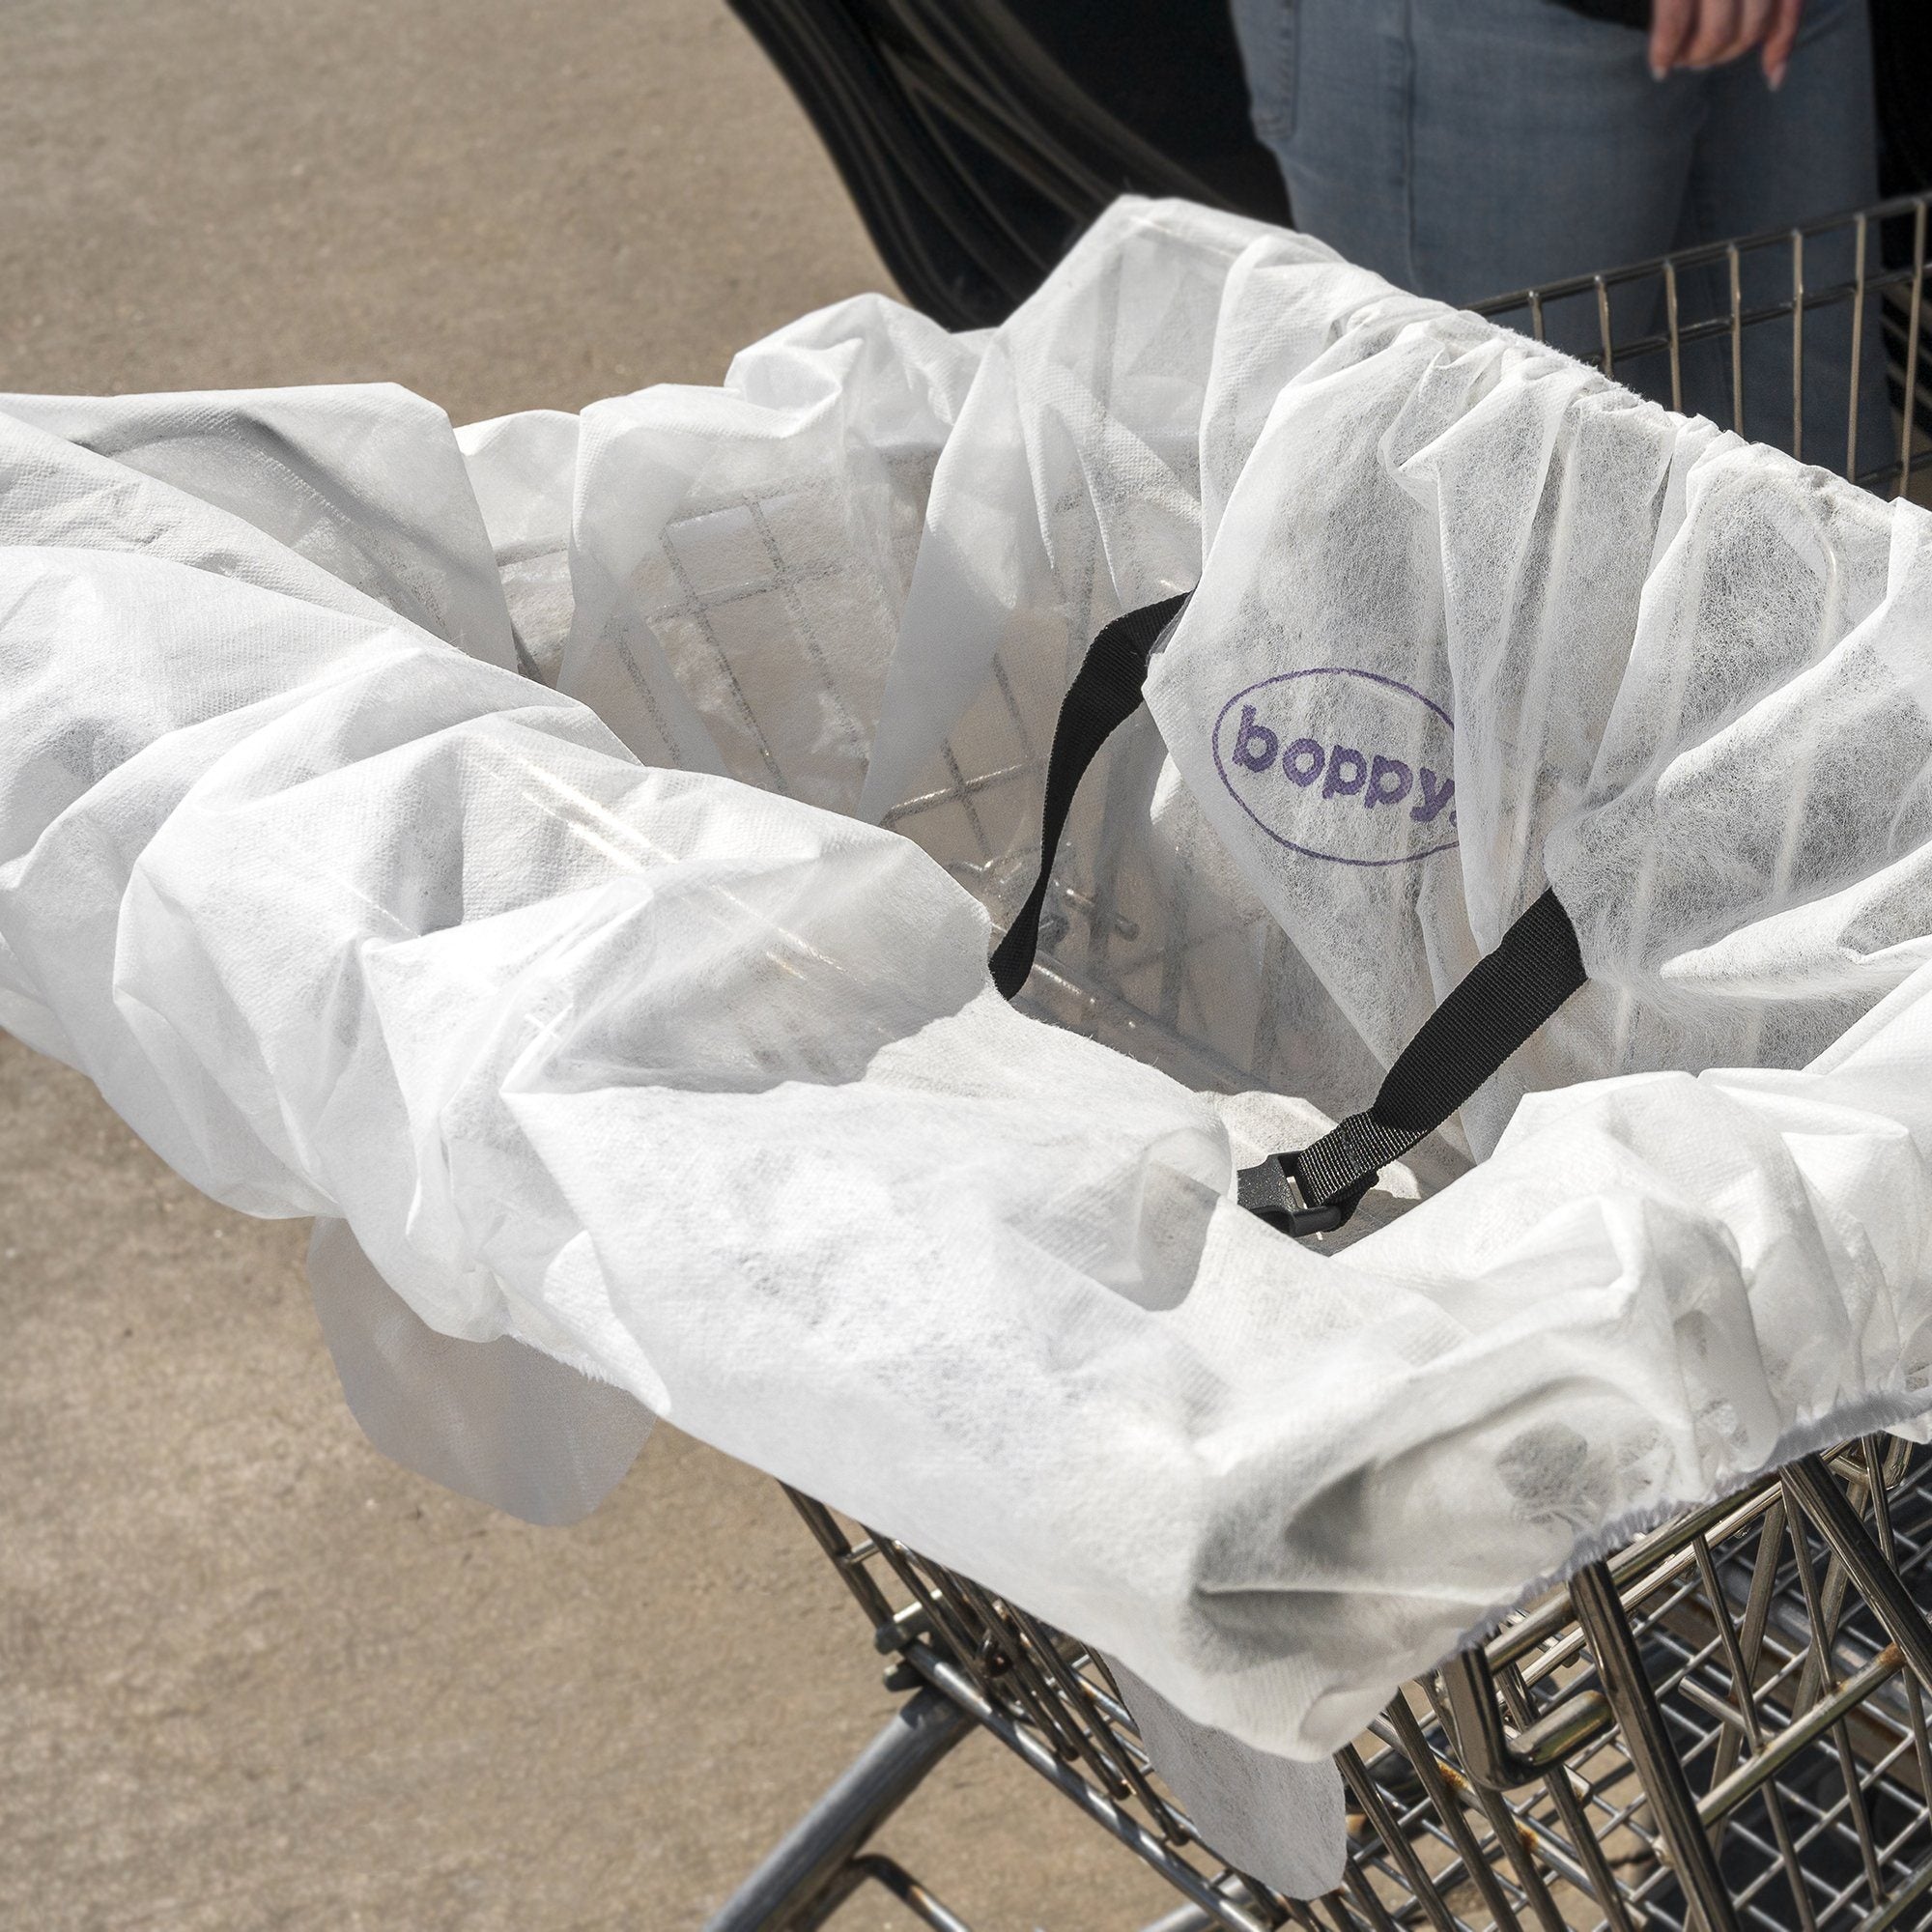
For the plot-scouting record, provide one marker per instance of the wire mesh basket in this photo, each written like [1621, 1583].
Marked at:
[1812, 339]
[1722, 1726]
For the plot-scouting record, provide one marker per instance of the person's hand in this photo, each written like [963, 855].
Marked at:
[1707, 33]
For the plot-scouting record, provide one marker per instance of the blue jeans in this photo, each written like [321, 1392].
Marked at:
[1468, 147]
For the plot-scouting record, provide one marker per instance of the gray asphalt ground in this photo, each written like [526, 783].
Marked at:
[251, 1675]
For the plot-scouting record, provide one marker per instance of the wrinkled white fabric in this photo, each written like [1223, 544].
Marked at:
[742, 556]
[521, 470]
[363, 482]
[1272, 1818]
[683, 1075]
[498, 1420]
[1072, 491]
[1474, 621]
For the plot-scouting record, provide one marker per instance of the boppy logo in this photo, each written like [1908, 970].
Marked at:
[1340, 764]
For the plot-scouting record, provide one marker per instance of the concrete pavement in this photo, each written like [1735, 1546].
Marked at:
[251, 1675]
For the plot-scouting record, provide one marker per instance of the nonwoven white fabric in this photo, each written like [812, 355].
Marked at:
[1474, 621]
[1272, 1818]
[499, 1420]
[628, 1037]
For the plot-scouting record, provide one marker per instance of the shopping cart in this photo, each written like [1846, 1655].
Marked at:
[1721, 1725]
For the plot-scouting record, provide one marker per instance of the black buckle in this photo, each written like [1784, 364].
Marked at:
[1299, 1215]
[1275, 1192]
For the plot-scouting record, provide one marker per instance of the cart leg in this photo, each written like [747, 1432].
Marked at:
[907, 1890]
[811, 1857]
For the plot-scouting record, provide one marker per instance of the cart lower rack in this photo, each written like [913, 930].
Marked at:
[1722, 1726]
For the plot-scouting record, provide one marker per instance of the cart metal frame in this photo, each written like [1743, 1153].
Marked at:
[1722, 1726]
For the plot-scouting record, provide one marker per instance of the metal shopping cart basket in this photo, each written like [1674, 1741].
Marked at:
[1721, 1725]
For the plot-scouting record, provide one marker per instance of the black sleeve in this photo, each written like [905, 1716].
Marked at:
[1625, 13]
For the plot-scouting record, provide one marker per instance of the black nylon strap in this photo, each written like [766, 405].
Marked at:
[1105, 692]
[1498, 1004]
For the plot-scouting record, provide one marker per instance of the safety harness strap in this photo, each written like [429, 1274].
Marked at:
[1499, 1002]
[1495, 1007]
[1105, 693]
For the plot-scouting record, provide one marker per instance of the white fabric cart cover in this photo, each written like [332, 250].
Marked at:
[603, 1020]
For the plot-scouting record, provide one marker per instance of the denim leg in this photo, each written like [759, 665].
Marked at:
[1264, 33]
[1329, 83]
[1767, 162]
[1541, 147]
[1468, 149]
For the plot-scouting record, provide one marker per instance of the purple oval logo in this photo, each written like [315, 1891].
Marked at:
[1341, 764]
